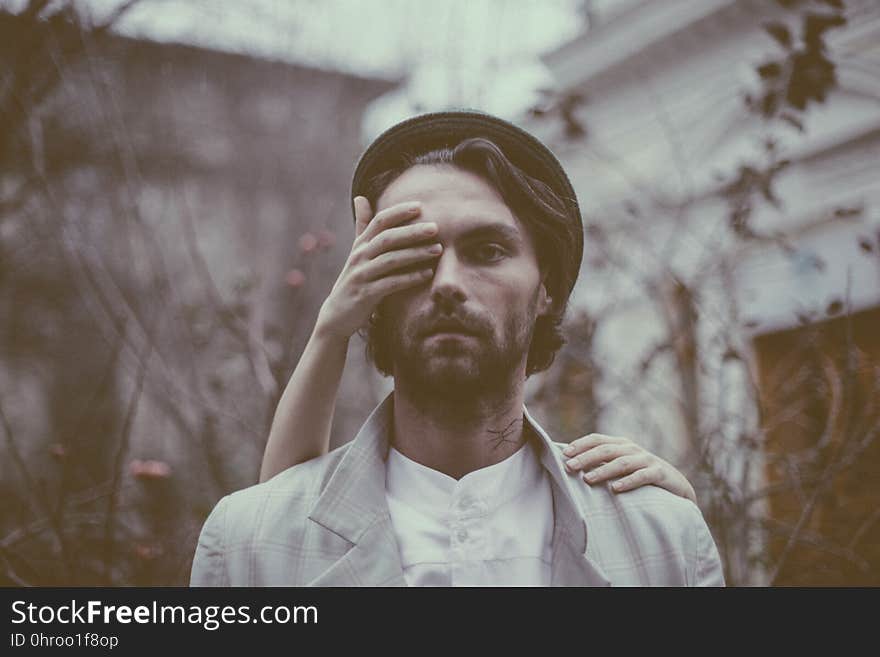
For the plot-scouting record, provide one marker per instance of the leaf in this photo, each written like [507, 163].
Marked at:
[812, 76]
[574, 129]
[779, 32]
[815, 26]
[769, 70]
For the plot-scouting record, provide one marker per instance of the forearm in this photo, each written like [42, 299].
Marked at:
[383, 246]
[301, 425]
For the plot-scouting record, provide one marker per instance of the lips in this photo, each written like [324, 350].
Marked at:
[448, 326]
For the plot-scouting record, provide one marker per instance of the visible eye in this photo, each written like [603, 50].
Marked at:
[489, 252]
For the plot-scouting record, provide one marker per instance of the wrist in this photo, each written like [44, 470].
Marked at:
[325, 336]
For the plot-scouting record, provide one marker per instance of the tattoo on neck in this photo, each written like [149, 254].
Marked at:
[500, 436]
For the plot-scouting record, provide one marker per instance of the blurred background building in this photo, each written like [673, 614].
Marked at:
[173, 210]
[726, 156]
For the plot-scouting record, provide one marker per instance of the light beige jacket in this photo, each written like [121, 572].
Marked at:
[326, 523]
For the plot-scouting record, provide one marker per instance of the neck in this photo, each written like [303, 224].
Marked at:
[454, 436]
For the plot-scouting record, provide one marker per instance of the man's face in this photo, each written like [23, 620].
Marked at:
[467, 331]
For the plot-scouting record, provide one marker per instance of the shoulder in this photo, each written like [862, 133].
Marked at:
[297, 486]
[283, 501]
[650, 503]
[652, 526]
[651, 512]
[665, 536]
[267, 519]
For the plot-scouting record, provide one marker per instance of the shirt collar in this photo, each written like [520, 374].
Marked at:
[358, 483]
[486, 489]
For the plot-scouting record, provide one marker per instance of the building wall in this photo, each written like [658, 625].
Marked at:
[666, 129]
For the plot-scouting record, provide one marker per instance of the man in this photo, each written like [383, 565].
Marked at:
[450, 481]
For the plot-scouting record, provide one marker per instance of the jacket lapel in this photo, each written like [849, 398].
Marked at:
[570, 566]
[353, 505]
[373, 561]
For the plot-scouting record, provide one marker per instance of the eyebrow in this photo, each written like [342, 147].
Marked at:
[497, 230]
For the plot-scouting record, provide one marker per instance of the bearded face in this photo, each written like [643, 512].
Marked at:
[455, 352]
[467, 331]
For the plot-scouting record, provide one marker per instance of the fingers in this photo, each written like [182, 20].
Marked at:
[603, 453]
[603, 458]
[362, 214]
[652, 474]
[634, 468]
[619, 467]
[589, 441]
[398, 237]
[658, 474]
[393, 260]
[389, 217]
[382, 287]
[369, 280]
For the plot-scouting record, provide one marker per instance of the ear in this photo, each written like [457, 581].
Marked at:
[545, 301]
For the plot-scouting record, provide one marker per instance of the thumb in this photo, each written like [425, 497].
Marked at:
[362, 214]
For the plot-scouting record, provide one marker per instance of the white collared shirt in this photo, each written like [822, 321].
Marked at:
[492, 527]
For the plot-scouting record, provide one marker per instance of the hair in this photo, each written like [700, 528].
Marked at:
[551, 227]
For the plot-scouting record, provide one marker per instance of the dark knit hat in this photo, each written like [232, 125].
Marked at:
[436, 130]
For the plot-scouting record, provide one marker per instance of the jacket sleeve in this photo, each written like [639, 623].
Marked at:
[708, 570]
[209, 563]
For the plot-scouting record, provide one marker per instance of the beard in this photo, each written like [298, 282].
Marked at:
[460, 370]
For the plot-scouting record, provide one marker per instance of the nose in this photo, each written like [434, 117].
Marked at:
[447, 286]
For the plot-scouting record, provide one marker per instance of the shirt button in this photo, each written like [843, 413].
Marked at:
[461, 535]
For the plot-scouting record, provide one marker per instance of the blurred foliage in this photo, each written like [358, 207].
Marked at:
[166, 239]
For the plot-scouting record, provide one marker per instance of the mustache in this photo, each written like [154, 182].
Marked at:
[457, 322]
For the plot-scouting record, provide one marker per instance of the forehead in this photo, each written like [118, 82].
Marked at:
[447, 193]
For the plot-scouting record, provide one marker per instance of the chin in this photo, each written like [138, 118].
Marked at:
[444, 372]
[453, 368]
[450, 368]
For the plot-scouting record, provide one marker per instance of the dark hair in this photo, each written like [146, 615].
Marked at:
[552, 229]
